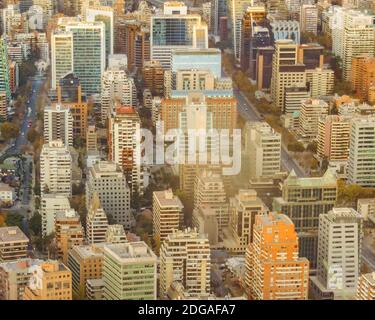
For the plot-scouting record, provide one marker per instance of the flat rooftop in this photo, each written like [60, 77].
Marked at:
[12, 234]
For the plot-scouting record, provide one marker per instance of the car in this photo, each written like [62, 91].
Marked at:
[28, 101]
[23, 134]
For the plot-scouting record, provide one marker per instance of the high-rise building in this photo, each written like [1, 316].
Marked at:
[15, 276]
[124, 145]
[339, 254]
[96, 222]
[68, 232]
[4, 69]
[363, 76]
[366, 287]
[115, 234]
[263, 146]
[56, 169]
[91, 139]
[320, 82]
[129, 272]
[310, 112]
[49, 205]
[185, 257]
[274, 270]
[153, 77]
[242, 211]
[286, 29]
[209, 191]
[308, 18]
[333, 138]
[13, 244]
[286, 71]
[303, 200]
[167, 213]
[116, 87]
[293, 98]
[58, 124]
[108, 180]
[69, 95]
[352, 35]
[173, 29]
[50, 280]
[85, 262]
[361, 162]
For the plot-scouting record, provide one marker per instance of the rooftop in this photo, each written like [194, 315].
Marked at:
[12, 234]
[130, 251]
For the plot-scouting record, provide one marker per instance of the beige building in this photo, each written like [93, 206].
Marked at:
[13, 244]
[311, 110]
[366, 287]
[185, 257]
[194, 79]
[85, 262]
[51, 280]
[206, 222]
[91, 139]
[58, 124]
[115, 234]
[167, 213]
[129, 272]
[68, 232]
[242, 211]
[209, 191]
[321, 82]
[333, 138]
[308, 18]
[96, 222]
[15, 276]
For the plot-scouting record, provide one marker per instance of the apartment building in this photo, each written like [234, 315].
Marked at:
[13, 244]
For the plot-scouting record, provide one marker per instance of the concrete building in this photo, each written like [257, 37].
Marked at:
[303, 200]
[363, 76]
[274, 270]
[58, 124]
[115, 234]
[185, 257]
[91, 139]
[13, 244]
[366, 287]
[124, 145]
[51, 280]
[7, 195]
[366, 208]
[308, 18]
[167, 213]
[320, 81]
[153, 77]
[361, 162]
[263, 147]
[293, 98]
[107, 179]
[68, 232]
[209, 190]
[286, 71]
[94, 289]
[15, 276]
[129, 272]
[333, 138]
[49, 205]
[86, 263]
[56, 169]
[339, 254]
[96, 222]
[206, 222]
[174, 29]
[311, 111]
[242, 211]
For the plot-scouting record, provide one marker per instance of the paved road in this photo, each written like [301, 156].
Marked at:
[368, 255]
[248, 112]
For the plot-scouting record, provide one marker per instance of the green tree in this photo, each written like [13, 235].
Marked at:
[35, 224]
[14, 219]
[296, 147]
[32, 135]
[312, 147]
[9, 130]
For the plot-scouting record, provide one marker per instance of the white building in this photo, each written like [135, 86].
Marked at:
[56, 169]
[58, 124]
[96, 222]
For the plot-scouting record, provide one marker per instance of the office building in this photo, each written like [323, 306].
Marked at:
[129, 272]
[308, 18]
[13, 244]
[49, 205]
[58, 124]
[293, 98]
[107, 179]
[286, 30]
[263, 147]
[205, 221]
[91, 139]
[96, 222]
[61, 56]
[310, 112]
[51, 280]
[153, 77]
[274, 270]
[320, 81]
[303, 200]
[185, 257]
[68, 232]
[56, 169]
[15, 276]
[361, 162]
[167, 213]
[333, 138]
[115, 234]
[94, 289]
[86, 263]
[243, 208]
[339, 255]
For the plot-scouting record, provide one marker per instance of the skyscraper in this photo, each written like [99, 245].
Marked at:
[274, 270]
[96, 222]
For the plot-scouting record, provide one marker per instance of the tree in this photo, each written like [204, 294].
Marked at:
[296, 147]
[32, 135]
[35, 224]
[14, 219]
[9, 130]
[2, 220]
[312, 147]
